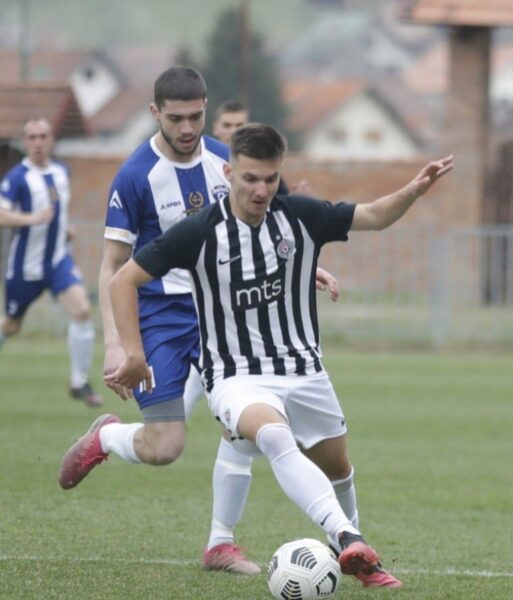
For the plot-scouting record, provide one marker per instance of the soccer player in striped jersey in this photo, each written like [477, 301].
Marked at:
[34, 198]
[173, 175]
[252, 259]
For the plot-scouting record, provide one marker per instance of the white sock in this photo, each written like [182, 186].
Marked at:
[230, 481]
[301, 480]
[81, 347]
[119, 438]
[346, 495]
[193, 392]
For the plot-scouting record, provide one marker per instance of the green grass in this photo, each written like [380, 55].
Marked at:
[430, 437]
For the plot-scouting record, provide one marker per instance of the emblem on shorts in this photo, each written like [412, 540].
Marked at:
[285, 249]
[227, 415]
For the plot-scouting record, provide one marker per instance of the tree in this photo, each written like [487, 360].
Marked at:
[237, 67]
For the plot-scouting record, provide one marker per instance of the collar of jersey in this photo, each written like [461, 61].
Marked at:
[178, 165]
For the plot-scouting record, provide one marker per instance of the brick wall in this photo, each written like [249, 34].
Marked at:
[359, 182]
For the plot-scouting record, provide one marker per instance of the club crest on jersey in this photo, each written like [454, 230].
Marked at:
[285, 249]
[196, 201]
[219, 192]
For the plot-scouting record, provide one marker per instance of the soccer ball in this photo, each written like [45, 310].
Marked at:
[303, 570]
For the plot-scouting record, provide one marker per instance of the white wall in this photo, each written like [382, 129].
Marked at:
[361, 130]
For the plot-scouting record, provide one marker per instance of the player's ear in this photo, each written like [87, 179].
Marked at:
[154, 111]
[227, 168]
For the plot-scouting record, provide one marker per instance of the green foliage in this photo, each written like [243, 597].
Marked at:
[430, 437]
[238, 67]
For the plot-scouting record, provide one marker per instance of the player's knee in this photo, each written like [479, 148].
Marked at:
[83, 312]
[340, 469]
[10, 327]
[166, 453]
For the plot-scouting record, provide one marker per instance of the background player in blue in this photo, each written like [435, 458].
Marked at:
[34, 198]
[176, 173]
[252, 259]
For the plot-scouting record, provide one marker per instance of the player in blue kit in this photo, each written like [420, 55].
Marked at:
[34, 198]
[176, 173]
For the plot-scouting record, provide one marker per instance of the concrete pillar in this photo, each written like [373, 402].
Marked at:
[467, 122]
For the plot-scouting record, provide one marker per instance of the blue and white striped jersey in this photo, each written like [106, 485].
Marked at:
[28, 188]
[151, 193]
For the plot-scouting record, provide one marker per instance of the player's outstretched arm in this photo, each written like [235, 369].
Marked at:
[384, 211]
[123, 295]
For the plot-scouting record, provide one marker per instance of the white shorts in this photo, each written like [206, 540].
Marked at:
[307, 402]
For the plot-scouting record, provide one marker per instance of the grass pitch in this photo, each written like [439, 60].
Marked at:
[430, 437]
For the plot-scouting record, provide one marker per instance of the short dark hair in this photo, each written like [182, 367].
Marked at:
[230, 106]
[179, 83]
[257, 140]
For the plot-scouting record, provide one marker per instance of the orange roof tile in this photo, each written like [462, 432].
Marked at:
[55, 102]
[491, 13]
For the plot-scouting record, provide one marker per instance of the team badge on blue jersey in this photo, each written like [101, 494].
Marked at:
[196, 201]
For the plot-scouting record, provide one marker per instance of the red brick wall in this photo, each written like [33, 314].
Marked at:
[359, 182]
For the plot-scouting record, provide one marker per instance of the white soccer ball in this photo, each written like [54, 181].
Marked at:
[303, 570]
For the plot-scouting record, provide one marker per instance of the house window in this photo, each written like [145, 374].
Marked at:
[338, 135]
[373, 136]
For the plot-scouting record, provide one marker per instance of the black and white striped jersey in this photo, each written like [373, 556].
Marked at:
[254, 287]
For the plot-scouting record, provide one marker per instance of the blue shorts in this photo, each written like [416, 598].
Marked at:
[170, 360]
[19, 294]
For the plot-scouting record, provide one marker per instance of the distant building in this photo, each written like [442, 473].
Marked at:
[347, 120]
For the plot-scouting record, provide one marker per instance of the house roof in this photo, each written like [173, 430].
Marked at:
[116, 113]
[55, 102]
[44, 64]
[490, 13]
[311, 100]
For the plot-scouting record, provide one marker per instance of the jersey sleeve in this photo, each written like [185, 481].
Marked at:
[178, 247]
[10, 190]
[325, 221]
[121, 223]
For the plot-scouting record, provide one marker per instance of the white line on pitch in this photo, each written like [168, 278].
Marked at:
[184, 563]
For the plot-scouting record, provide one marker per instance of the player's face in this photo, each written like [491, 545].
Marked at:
[254, 184]
[38, 142]
[181, 124]
[227, 123]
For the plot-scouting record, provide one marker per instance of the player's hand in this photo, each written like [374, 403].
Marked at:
[43, 215]
[430, 174]
[131, 373]
[114, 357]
[325, 281]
